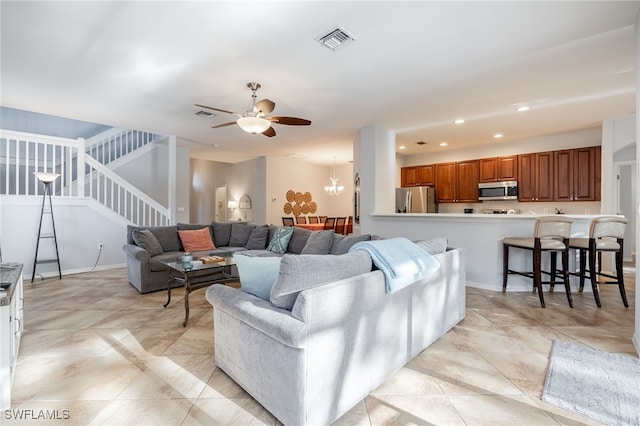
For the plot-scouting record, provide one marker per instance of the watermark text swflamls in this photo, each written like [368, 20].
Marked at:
[29, 414]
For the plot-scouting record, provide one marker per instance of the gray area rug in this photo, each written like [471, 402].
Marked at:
[599, 385]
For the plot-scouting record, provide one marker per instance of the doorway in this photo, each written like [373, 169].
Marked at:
[221, 203]
[626, 200]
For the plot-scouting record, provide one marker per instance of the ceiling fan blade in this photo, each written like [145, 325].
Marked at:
[270, 132]
[215, 109]
[291, 121]
[224, 124]
[265, 105]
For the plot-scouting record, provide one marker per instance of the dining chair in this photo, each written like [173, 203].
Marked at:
[348, 229]
[606, 234]
[313, 219]
[301, 219]
[551, 234]
[323, 219]
[287, 221]
[330, 223]
[340, 222]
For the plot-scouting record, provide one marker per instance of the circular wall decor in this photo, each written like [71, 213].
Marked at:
[288, 208]
[291, 195]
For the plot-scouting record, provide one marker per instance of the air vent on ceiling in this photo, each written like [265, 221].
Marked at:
[202, 113]
[336, 38]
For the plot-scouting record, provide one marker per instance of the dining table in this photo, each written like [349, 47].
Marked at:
[311, 226]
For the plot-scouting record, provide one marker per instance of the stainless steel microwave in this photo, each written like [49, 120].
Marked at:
[505, 190]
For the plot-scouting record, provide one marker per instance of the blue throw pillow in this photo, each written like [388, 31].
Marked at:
[257, 274]
[280, 239]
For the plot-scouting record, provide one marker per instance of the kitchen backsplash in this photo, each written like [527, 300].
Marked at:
[575, 207]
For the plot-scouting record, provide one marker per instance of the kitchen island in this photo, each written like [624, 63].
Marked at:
[481, 235]
[11, 326]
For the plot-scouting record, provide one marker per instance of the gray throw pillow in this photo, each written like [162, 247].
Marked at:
[146, 240]
[258, 238]
[240, 233]
[340, 244]
[298, 240]
[221, 233]
[305, 271]
[319, 242]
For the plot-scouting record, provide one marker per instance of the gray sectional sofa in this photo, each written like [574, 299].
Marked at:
[312, 356]
[147, 273]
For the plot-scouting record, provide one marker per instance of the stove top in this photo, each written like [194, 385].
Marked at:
[501, 211]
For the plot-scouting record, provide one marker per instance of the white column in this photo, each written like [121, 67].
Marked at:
[172, 175]
[80, 167]
[375, 161]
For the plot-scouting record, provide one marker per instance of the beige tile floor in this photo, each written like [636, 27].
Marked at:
[97, 352]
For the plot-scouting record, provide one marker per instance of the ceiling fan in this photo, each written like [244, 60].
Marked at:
[255, 120]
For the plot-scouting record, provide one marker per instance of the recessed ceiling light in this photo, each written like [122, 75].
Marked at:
[402, 147]
[443, 144]
[498, 135]
[523, 108]
[459, 121]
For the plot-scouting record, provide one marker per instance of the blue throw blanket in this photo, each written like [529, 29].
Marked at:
[401, 261]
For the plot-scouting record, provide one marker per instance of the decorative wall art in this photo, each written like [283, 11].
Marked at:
[299, 203]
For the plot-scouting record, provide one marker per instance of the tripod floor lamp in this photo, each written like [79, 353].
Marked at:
[47, 179]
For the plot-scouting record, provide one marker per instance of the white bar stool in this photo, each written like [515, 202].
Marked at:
[606, 234]
[551, 234]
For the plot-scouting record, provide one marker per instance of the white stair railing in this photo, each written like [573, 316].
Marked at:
[23, 154]
[116, 143]
[121, 197]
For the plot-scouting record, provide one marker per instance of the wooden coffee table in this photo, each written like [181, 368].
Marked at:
[198, 276]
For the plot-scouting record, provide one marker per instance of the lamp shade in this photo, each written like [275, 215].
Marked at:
[46, 177]
[253, 125]
[232, 204]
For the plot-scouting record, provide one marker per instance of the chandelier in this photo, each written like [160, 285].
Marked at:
[334, 188]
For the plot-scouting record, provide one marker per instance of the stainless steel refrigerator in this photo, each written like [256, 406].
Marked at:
[416, 199]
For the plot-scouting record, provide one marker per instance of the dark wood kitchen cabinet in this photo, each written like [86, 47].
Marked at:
[497, 169]
[575, 174]
[535, 176]
[409, 176]
[457, 182]
[424, 175]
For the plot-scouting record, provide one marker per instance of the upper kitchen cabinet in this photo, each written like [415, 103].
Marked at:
[535, 176]
[409, 176]
[457, 182]
[418, 175]
[575, 174]
[497, 169]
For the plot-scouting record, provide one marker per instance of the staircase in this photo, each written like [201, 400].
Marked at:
[85, 169]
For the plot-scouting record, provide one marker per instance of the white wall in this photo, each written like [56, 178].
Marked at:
[636, 336]
[80, 227]
[205, 177]
[284, 174]
[150, 173]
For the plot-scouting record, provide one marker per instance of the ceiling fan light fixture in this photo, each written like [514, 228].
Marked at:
[253, 125]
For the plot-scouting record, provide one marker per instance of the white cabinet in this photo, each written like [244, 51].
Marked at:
[11, 327]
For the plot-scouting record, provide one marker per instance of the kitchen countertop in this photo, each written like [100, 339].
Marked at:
[523, 215]
[9, 274]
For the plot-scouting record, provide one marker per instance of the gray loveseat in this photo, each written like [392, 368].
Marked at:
[147, 273]
[311, 364]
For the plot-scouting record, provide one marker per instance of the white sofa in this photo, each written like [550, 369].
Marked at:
[341, 340]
